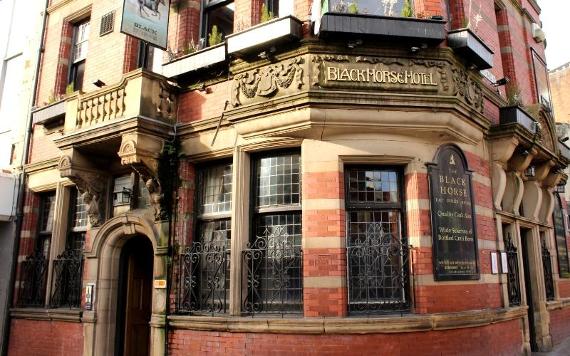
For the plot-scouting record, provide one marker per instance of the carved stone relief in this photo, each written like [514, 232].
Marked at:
[267, 82]
[166, 107]
[467, 89]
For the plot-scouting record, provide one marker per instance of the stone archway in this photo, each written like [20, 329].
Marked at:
[102, 269]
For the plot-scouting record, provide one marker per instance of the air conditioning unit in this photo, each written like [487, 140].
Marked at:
[537, 33]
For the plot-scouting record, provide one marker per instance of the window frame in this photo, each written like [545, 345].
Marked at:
[281, 209]
[207, 7]
[539, 99]
[45, 235]
[76, 75]
[558, 209]
[374, 206]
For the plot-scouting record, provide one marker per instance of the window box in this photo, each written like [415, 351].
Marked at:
[264, 36]
[198, 60]
[516, 115]
[470, 46]
[386, 27]
[49, 114]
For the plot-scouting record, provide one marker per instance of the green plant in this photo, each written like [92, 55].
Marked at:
[51, 98]
[514, 95]
[352, 8]
[215, 37]
[266, 15]
[190, 47]
[407, 10]
[69, 89]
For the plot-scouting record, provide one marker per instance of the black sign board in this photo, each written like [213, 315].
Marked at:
[455, 254]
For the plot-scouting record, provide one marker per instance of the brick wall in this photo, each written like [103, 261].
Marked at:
[560, 89]
[498, 339]
[45, 338]
[559, 325]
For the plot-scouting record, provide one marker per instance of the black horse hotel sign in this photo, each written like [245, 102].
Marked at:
[455, 255]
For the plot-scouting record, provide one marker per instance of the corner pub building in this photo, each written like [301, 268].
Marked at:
[327, 177]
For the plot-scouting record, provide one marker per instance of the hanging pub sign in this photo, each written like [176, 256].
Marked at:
[452, 216]
[146, 20]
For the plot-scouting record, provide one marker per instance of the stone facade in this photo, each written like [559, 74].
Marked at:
[285, 189]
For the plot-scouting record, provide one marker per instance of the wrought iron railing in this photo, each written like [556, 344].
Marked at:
[273, 266]
[66, 281]
[513, 283]
[547, 268]
[378, 272]
[204, 278]
[33, 281]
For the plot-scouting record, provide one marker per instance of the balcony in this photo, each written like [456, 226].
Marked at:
[367, 18]
[471, 47]
[202, 59]
[264, 36]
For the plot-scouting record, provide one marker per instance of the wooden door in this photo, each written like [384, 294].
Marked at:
[137, 297]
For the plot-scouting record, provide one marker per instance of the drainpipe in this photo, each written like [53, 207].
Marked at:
[22, 185]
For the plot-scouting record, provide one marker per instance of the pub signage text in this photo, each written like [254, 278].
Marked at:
[452, 215]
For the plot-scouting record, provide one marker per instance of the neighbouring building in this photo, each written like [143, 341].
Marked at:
[560, 88]
[20, 38]
[293, 176]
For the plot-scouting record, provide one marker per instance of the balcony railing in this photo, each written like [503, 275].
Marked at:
[204, 278]
[274, 274]
[138, 94]
[67, 277]
[33, 281]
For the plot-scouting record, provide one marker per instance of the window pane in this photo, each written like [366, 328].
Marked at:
[80, 45]
[122, 190]
[47, 210]
[278, 181]
[222, 17]
[80, 218]
[368, 7]
[216, 185]
[373, 186]
[560, 231]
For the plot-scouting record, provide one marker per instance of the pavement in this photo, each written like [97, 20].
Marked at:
[562, 349]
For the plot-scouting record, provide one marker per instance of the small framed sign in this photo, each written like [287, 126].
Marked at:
[160, 283]
[89, 296]
[504, 262]
[494, 263]
[146, 20]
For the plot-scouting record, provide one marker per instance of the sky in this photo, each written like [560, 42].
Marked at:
[556, 25]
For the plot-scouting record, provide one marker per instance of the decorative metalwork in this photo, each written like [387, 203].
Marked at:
[513, 283]
[204, 279]
[378, 276]
[33, 281]
[547, 268]
[273, 266]
[67, 277]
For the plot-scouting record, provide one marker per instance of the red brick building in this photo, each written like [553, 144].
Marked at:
[294, 177]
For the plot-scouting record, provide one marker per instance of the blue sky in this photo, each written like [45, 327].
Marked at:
[556, 25]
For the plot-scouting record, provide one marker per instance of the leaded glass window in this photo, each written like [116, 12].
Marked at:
[560, 232]
[377, 251]
[273, 257]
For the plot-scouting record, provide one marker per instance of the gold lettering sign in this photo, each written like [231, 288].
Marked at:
[336, 73]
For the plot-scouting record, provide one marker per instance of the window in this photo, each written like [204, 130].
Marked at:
[367, 7]
[541, 79]
[205, 264]
[79, 222]
[47, 208]
[377, 252]
[122, 193]
[273, 258]
[78, 54]
[560, 232]
[219, 13]
[145, 55]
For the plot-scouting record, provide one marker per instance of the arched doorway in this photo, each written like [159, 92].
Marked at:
[134, 300]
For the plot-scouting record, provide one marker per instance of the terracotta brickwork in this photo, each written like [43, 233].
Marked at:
[559, 325]
[560, 90]
[499, 339]
[45, 338]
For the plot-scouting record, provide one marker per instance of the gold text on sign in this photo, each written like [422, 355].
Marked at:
[379, 76]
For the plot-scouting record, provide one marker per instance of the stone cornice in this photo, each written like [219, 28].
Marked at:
[41, 166]
[558, 304]
[68, 315]
[388, 324]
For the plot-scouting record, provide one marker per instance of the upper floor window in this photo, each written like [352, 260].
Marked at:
[377, 251]
[47, 209]
[280, 8]
[560, 232]
[79, 54]
[367, 7]
[79, 221]
[541, 79]
[273, 258]
[218, 13]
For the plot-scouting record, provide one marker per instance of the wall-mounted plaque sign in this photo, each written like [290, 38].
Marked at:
[146, 20]
[452, 215]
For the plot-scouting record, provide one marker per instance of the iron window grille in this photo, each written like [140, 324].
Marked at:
[377, 251]
[547, 268]
[67, 270]
[272, 260]
[204, 265]
[513, 282]
[34, 267]
[560, 236]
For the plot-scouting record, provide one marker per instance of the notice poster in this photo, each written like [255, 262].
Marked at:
[453, 217]
[146, 20]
